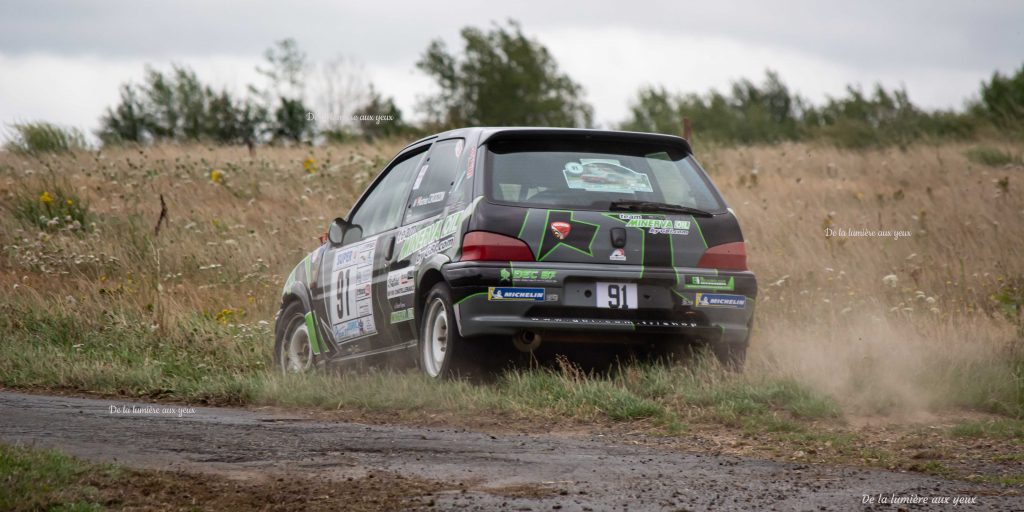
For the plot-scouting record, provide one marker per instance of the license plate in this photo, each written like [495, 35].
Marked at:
[616, 295]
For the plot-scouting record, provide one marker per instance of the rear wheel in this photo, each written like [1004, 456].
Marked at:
[443, 353]
[730, 355]
[292, 350]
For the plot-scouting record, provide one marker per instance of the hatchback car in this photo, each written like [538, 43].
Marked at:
[478, 239]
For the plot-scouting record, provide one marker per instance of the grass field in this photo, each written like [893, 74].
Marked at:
[923, 322]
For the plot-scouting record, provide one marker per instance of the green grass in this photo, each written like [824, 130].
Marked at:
[1001, 428]
[41, 137]
[52, 208]
[991, 156]
[204, 361]
[47, 480]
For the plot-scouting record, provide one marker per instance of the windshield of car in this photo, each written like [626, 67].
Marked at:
[594, 175]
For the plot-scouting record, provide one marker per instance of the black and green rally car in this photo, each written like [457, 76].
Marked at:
[478, 239]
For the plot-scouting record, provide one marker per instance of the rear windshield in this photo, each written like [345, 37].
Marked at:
[590, 175]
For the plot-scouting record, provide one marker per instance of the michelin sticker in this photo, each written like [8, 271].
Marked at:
[718, 300]
[604, 175]
[351, 307]
[710, 282]
[518, 294]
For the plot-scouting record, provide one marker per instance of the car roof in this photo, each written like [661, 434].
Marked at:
[515, 132]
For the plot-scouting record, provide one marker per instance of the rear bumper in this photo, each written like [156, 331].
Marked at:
[560, 301]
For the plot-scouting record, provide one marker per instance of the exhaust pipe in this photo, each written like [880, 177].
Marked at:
[526, 341]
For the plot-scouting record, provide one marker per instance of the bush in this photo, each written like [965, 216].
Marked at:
[42, 137]
[52, 209]
[990, 156]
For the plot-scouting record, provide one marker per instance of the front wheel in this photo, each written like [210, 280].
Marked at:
[443, 353]
[292, 348]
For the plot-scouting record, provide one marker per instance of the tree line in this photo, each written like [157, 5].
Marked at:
[500, 76]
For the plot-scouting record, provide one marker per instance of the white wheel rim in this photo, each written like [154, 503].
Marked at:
[297, 356]
[436, 347]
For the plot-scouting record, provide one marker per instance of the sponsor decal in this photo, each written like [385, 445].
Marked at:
[401, 282]
[529, 275]
[578, 235]
[618, 255]
[561, 229]
[436, 197]
[604, 175]
[351, 299]
[432, 232]
[552, 297]
[471, 164]
[419, 177]
[433, 248]
[660, 226]
[515, 294]
[354, 328]
[709, 282]
[401, 316]
[719, 300]
[685, 301]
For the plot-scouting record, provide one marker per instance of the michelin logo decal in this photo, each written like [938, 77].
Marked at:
[718, 300]
[500, 293]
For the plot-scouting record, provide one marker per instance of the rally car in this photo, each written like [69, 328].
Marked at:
[477, 239]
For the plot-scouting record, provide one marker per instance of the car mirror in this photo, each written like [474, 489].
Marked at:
[336, 231]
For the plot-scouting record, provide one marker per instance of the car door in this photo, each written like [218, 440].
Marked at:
[420, 236]
[354, 274]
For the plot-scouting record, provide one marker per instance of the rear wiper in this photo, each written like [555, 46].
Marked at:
[654, 206]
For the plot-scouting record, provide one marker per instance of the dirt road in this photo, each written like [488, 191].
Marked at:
[477, 471]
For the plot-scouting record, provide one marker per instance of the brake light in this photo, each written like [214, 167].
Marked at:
[730, 256]
[487, 246]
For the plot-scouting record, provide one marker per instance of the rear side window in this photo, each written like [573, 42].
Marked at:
[590, 175]
[378, 212]
[434, 179]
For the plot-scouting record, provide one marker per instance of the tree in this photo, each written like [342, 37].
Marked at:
[501, 78]
[380, 117]
[285, 94]
[1002, 99]
[176, 106]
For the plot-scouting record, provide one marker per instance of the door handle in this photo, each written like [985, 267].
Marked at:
[389, 251]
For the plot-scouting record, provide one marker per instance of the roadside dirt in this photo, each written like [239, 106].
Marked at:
[445, 468]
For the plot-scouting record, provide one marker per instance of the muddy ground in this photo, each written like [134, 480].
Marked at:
[358, 466]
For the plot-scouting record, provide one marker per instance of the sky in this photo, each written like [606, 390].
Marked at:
[64, 60]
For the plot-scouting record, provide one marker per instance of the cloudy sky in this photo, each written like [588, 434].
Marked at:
[63, 61]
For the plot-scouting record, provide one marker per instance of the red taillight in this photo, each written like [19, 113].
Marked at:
[486, 246]
[730, 256]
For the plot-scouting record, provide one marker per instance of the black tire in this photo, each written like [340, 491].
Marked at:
[289, 356]
[442, 353]
[731, 355]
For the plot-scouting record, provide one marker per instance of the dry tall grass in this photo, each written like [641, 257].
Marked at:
[930, 337]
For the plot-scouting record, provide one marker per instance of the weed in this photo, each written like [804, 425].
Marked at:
[37, 138]
[991, 157]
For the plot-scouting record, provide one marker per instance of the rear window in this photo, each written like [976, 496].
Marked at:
[589, 175]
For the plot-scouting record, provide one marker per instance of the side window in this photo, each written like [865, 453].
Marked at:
[382, 208]
[434, 180]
